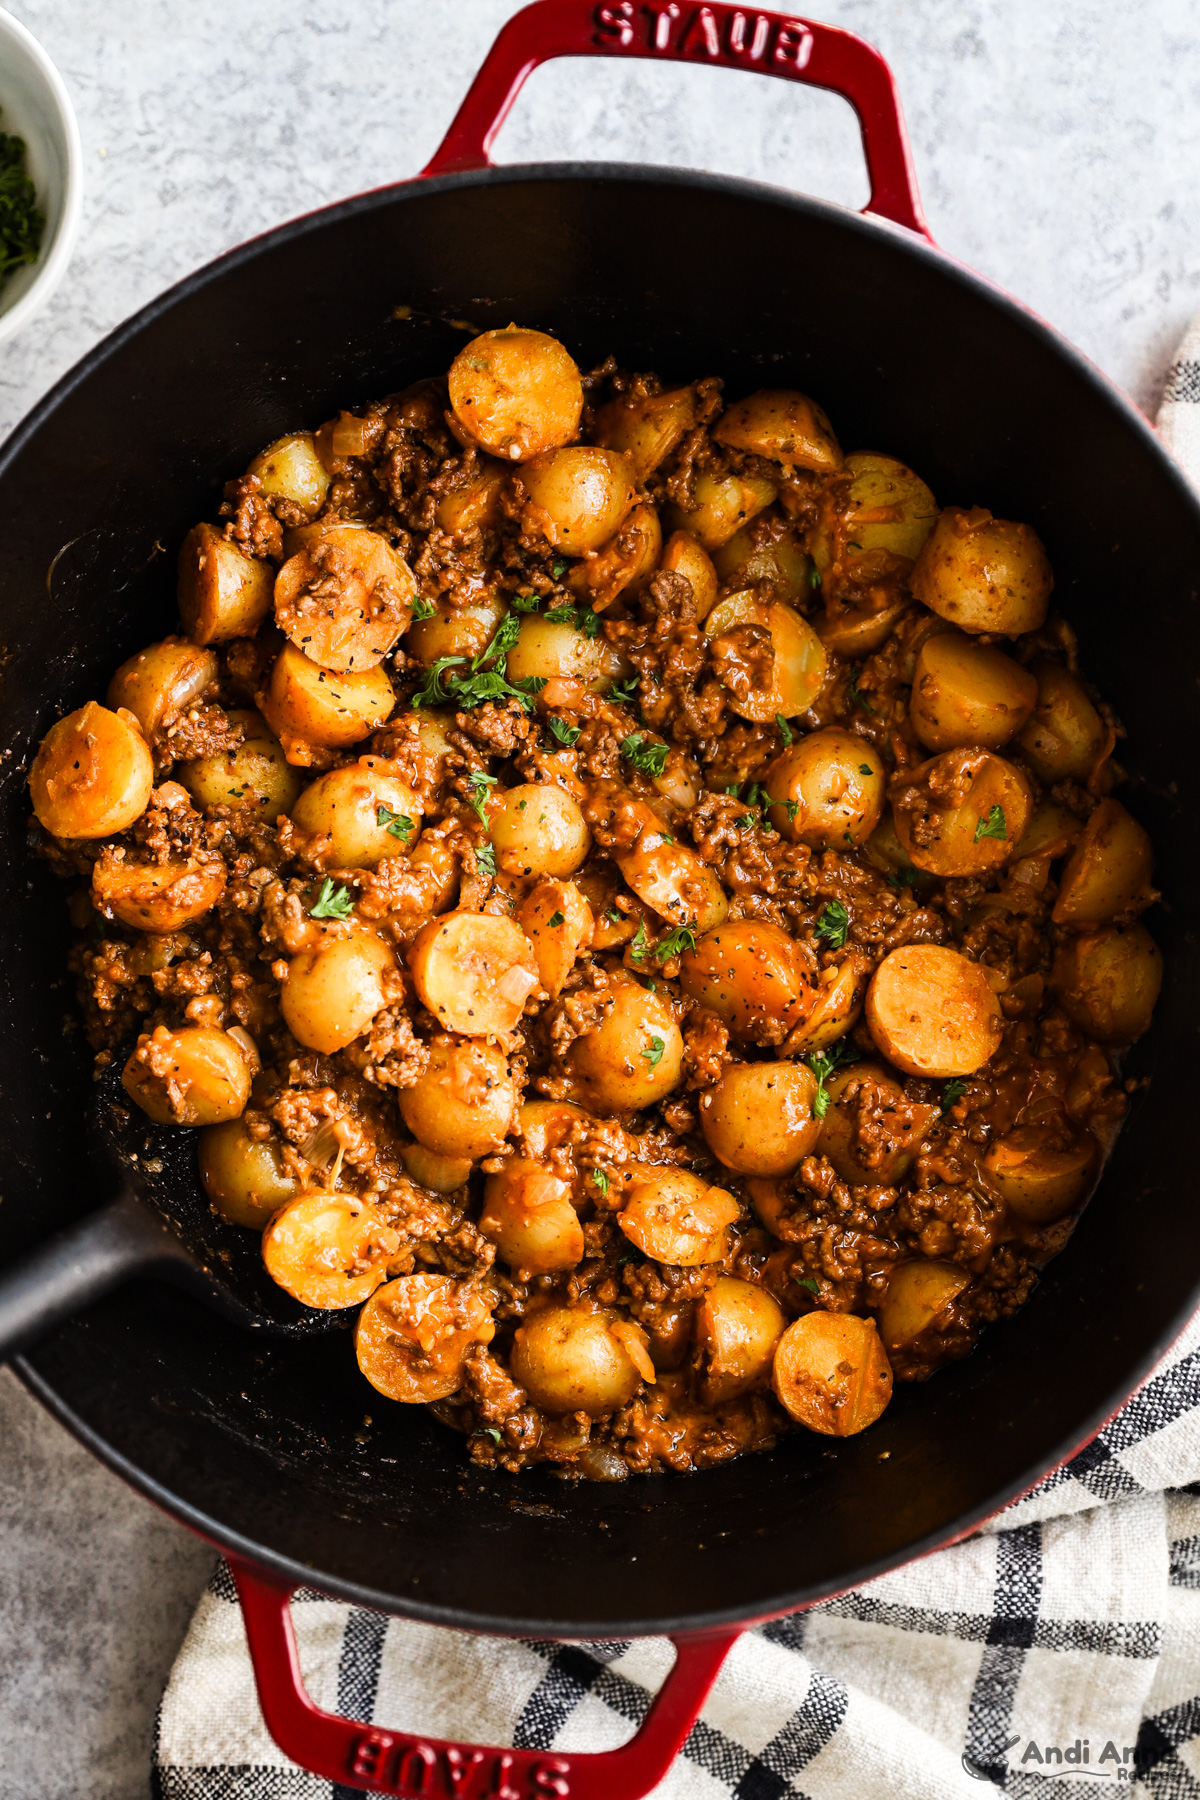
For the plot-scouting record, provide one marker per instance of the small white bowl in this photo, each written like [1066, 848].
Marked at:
[37, 107]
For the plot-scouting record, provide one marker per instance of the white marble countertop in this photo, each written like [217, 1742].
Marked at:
[1057, 145]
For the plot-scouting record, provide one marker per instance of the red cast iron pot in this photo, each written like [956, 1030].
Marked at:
[256, 1444]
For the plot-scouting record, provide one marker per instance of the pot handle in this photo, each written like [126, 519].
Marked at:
[411, 1767]
[730, 37]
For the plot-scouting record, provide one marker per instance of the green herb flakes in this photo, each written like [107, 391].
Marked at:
[642, 755]
[567, 735]
[653, 1052]
[833, 923]
[332, 902]
[22, 221]
[995, 826]
[399, 825]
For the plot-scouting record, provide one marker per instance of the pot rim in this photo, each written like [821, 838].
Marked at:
[532, 1625]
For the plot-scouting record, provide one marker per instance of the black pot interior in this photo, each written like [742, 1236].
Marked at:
[265, 1445]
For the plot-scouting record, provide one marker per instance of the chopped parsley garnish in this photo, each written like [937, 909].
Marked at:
[618, 918]
[814, 579]
[398, 824]
[785, 730]
[808, 1282]
[825, 1063]
[423, 609]
[489, 1431]
[758, 798]
[995, 825]
[526, 603]
[953, 1090]
[566, 734]
[332, 902]
[581, 617]
[902, 878]
[638, 944]
[556, 918]
[650, 757]
[22, 221]
[653, 1052]
[507, 633]
[479, 785]
[793, 807]
[623, 691]
[865, 769]
[485, 859]
[441, 686]
[833, 922]
[675, 943]
[558, 569]
[857, 699]
[600, 1179]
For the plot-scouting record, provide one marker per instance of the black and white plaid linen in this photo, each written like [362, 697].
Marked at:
[1054, 1654]
[1069, 1625]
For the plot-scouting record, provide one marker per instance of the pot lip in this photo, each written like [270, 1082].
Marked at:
[275, 1566]
[284, 1568]
[513, 174]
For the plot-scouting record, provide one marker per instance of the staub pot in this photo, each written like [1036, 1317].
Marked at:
[255, 1442]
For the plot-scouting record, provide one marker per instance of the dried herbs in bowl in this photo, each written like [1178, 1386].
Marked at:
[22, 220]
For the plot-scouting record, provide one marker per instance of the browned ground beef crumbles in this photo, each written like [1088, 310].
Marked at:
[631, 897]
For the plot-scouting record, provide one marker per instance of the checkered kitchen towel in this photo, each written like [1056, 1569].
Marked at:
[1068, 1627]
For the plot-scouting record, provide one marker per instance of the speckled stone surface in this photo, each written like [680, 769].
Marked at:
[1057, 144]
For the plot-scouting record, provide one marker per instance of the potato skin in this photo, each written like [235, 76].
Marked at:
[1042, 1172]
[758, 1118]
[831, 1373]
[474, 972]
[538, 829]
[827, 789]
[550, 651]
[465, 1103]
[222, 593]
[1108, 982]
[331, 994]
[1108, 874]
[346, 807]
[721, 505]
[197, 1075]
[647, 427]
[328, 1250]
[671, 878]
[1065, 736]
[685, 555]
[577, 498]
[242, 1175]
[838, 1141]
[571, 1361]
[800, 660]
[161, 680]
[291, 469]
[92, 775]
[917, 1292]
[950, 833]
[677, 1218]
[515, 393]
[932, 1012]
[738, 1325]
[784, 426]
[304, 704]
[256, 774]
[158, 897]
[413, 1334]
[528, 1215]
[967, 693]
[633, 1058]
[983, 573]
[556, 946]
[759, 980]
